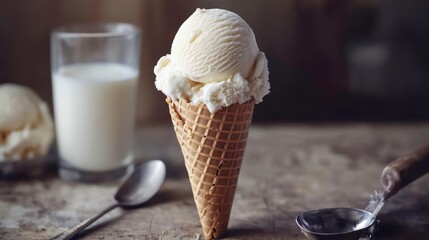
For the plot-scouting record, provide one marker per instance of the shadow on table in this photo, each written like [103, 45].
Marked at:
[176, 169]
[277, 225]
[246, 232]
[164, 196]
[262, 233]
[406, 222]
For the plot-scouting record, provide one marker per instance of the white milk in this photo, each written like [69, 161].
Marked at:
[94, 107]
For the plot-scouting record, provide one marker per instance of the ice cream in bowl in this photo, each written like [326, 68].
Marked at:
[212, 78]
[26, 128]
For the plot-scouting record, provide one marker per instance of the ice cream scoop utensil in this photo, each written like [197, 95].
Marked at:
[142, 185]
[352, 223]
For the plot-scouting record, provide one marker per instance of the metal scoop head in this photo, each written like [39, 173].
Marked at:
[352, 223]
[335, 223]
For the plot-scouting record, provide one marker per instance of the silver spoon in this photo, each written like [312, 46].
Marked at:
[352, 223]
[141, 186]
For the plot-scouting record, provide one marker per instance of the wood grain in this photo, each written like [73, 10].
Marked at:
[286, 170]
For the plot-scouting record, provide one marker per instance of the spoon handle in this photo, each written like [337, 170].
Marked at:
[404, 170]
[69, 234]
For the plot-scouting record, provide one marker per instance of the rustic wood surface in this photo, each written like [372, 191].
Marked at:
[286, 170]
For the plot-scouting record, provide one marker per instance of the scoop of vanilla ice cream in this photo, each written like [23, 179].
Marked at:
[26, 128]
[213, 45]
[214, 60]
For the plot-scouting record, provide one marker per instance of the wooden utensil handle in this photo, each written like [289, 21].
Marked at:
[405, 170]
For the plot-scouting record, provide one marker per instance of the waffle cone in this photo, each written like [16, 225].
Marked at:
[213, 146]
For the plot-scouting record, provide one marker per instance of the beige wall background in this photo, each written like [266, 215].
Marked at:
[326, 57]
[25, 26]
[24, 38]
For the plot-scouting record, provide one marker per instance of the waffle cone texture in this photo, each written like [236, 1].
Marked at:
[213, 147]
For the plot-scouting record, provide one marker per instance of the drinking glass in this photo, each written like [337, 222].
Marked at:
[95, 71]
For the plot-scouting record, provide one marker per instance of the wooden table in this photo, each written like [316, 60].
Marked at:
[287, 169]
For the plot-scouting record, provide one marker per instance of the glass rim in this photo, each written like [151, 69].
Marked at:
[96, 30]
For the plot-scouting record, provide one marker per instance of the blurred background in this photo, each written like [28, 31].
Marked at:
[329, 60]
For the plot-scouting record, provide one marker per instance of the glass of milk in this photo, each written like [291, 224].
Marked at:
[95, 71]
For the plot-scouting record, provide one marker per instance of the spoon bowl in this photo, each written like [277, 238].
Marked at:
[142, 185]
[335, 223]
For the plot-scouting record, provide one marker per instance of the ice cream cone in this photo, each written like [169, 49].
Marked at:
[213, 146]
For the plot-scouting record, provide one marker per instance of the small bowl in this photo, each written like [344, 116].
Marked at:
[28, 167]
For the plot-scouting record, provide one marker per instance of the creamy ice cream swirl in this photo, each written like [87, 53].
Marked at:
[214, 60]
